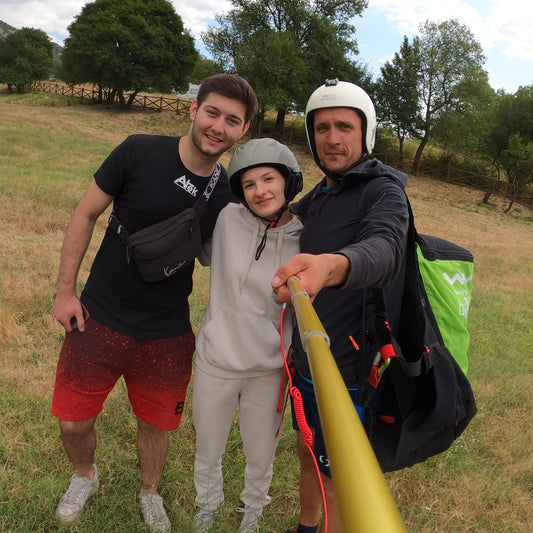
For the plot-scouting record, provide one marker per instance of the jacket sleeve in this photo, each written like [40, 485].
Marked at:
[377, 252]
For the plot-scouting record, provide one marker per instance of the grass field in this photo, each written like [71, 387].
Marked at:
[48, 153]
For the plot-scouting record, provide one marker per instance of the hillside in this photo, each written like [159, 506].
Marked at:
[6, 29]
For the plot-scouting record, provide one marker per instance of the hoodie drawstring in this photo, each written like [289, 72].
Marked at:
[262, 244]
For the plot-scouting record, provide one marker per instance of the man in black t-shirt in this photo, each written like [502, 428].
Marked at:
[138, 330]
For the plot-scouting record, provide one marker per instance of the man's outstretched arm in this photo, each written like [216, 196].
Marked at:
[314, 271]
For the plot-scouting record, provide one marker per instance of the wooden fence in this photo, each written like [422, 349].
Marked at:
[458, 176]
[181, 106]
[177, 105]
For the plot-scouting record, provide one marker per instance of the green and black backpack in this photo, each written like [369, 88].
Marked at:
[425, 399]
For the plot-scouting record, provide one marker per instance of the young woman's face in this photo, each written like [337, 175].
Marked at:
[264, 190]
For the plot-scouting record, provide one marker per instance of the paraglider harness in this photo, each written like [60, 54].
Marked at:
[425, 400]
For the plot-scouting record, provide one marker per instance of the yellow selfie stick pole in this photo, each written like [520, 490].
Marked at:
[365, 502]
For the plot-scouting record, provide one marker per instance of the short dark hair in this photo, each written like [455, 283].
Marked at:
[230, 86]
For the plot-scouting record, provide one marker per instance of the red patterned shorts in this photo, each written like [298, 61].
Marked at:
[156, 373]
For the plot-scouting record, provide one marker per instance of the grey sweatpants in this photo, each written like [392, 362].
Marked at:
[215, 402]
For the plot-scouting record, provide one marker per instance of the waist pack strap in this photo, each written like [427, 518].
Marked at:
[115, 224]
[118, 228]
[202, 201]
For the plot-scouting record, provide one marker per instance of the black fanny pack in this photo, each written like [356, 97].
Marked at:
[162, 249]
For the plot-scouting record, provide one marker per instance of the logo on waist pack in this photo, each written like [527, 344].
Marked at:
[186, 185]
[168, 271]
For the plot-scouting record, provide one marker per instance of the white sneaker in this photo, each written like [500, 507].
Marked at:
[72, 503]
[204, 519]
[251, 520]
[154, 513]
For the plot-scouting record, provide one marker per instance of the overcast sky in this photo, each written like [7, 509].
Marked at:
[504, 28]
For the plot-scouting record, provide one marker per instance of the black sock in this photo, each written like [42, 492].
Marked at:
[306, 529]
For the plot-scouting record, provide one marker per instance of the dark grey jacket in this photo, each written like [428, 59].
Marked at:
[364, 217]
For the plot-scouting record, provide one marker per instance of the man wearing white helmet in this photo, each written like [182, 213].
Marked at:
[238, 355]
[354, 236]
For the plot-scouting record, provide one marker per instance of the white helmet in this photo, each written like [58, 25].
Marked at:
[335, 93]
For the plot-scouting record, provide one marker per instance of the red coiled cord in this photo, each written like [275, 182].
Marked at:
[300, 417]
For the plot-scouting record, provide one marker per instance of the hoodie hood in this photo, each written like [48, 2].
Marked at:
[373, 168]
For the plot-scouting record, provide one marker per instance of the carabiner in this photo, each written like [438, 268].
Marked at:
[383, 366]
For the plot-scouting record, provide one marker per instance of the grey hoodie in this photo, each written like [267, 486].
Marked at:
[240, 331]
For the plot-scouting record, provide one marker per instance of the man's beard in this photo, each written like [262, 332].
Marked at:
[196, 140]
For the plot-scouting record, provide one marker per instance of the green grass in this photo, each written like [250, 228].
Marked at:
[48, 154]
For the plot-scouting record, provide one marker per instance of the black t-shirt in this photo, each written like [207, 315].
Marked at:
[149, 183]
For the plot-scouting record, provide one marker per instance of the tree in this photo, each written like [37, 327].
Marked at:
[517, 160]
[451, 62]
[25, 56]
[271, 78]
[286, 49]
[204, 68]
[129, 45]
[510, 114]
[397, 93]
[524, 112]
[461, 131]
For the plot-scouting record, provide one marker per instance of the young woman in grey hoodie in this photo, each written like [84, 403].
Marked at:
[239, 363]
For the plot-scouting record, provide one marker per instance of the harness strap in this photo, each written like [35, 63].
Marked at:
[386, 351]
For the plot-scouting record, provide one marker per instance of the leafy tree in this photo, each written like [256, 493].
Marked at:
[204, 68]
[461, 131]
[451, 62]
[397, 93]
[271, 79]
[25, 56]
[287, 48]
[510, 115]
[524, 112]
[129, 45]
[517, 160]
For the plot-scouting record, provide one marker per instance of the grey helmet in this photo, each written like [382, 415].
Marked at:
[270, 153]
[335, 93]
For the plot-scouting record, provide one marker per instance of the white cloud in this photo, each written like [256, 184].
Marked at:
[510, 24]
[54, 16]
[50, 16]
[502, 27]
[198, 14]
[496, 24]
